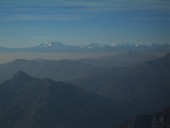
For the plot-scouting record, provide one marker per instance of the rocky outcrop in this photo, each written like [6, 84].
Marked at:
[158, 120]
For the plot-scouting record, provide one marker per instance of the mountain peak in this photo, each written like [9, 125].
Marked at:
[21, 75]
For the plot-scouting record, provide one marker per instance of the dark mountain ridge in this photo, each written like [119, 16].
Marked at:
[27, 102]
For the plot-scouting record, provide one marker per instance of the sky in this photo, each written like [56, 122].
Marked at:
[25, 23]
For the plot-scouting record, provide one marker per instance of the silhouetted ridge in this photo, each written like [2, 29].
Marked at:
[27, 102]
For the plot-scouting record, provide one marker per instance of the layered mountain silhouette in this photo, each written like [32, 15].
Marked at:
[59, 70]
[142, 88]
[66, 70]
[27, 102]
[147, 84]
[157, 120]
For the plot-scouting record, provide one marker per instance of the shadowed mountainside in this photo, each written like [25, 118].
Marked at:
[147, 85]
[27, 102]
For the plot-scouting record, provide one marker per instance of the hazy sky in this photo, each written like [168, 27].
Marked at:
[26, 23]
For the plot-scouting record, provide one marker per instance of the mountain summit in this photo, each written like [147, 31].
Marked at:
[21, 74]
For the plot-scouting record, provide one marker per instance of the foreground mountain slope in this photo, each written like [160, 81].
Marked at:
[157, 120]
[27, 102]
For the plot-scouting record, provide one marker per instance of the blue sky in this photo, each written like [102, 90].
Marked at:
[26, 23]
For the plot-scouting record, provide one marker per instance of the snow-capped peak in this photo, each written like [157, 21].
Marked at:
[46, 44]
[49, 44]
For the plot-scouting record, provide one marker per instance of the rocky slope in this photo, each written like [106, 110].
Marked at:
[157, 120]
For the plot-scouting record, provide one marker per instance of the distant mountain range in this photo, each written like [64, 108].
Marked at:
[59, 70]
[66, 70]
[28, 102]
[94, 47]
